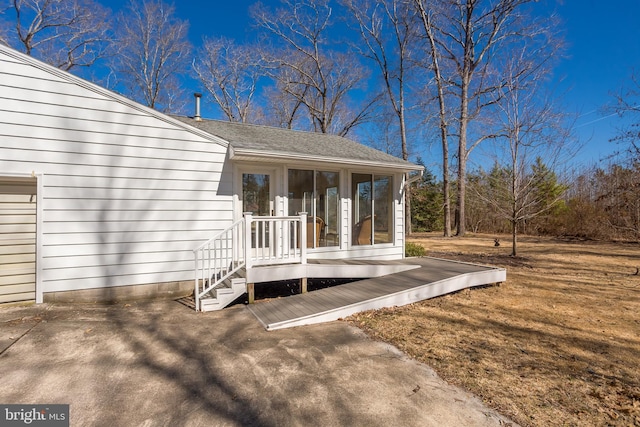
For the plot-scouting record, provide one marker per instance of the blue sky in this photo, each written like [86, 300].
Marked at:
[603, 47]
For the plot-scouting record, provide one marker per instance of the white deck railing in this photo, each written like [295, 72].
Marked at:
[275, 239]
[249, 242]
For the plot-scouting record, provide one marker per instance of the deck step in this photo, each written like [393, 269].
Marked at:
[224, 293]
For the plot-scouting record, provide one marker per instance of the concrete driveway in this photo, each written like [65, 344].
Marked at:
[161, 364]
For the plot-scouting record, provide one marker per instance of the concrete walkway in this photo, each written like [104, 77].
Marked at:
[160, 364]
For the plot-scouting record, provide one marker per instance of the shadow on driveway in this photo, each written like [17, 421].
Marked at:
[159, 363]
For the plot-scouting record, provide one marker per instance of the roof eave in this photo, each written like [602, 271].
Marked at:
[285, 157]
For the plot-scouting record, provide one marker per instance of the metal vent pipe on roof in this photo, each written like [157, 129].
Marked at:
[197, 115]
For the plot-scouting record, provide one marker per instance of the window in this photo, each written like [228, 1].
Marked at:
[328, 206]
[300, 191]
[318, 194]
[256, 194]
[372, 209]
[361, 190]
[382, 209]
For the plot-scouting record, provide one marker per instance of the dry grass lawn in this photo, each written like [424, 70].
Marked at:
[557, 344]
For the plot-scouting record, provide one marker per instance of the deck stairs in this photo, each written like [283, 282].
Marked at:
[222, 262]
[225, 292]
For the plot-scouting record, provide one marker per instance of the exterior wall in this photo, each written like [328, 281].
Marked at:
[125, 194]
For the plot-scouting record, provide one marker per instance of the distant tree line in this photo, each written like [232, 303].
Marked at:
[397, 74]
[596, 203]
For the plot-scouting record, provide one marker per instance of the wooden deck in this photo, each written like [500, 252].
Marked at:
[432, 277]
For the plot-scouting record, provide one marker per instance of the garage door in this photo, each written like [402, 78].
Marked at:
[17, 240]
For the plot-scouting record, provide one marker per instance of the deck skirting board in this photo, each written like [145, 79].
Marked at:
[334, 270]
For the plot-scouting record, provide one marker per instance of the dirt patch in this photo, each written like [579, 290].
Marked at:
[557, 344]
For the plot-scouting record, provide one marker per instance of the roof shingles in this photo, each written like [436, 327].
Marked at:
[272, 141]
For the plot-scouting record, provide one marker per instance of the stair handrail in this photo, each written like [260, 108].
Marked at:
[275, 240]
[227, 258]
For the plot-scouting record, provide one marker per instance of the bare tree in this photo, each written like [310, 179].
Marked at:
[433, 53]
[308, 71]
[471, 39]
[64, 33]
[152, 54]
[619, 199]
[530, 129]
[283, 109]
[604, 202]
[617, 189]
[386, 31]
[4, 36]
[230, 73]
[628, 107]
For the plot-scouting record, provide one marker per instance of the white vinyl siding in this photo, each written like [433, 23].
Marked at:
[127, 193]
[17, 240]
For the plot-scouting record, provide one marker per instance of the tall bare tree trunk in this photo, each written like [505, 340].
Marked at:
[462, 157]
[442, 116]
[514, 239]
[445, 181]
[405, 156]
[465, 80]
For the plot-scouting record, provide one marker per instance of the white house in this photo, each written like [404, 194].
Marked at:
[102, 198]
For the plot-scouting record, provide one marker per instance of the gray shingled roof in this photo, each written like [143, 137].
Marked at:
[285, 143]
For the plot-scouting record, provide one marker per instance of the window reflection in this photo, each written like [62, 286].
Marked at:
[372, 209]
[361, 190]
[383, 209]
[318, 194]
[255, 193]
[327, 206]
